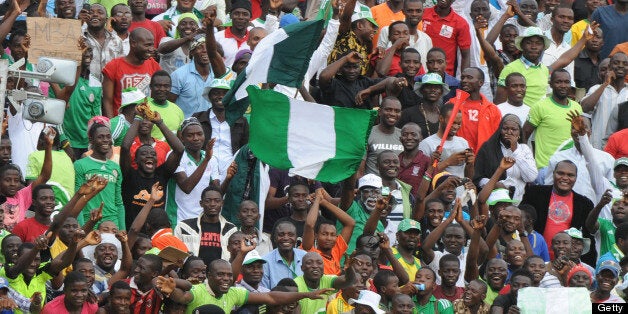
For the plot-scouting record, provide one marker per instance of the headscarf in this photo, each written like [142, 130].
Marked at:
[188, 15]
[490, 154]
[576, 269]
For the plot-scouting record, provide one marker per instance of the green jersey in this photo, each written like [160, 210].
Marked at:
[314, 306]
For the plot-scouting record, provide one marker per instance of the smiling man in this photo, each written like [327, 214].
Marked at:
[384, 136]
[74, 298]
[104, 44]
[43, 206]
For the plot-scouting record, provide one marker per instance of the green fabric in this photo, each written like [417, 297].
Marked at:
[3, 234]
[85, 103]
[405, 197]
[111, 196]
[607, 235]
[234, 297]
[287, 65]
[233, 196]
[552, 127]
[119, 127]
[490, 293]
[314, 306]
[37, 283]
[444, 306]
[62, 177]
[361, 216]
[537, 78]
[170, 113]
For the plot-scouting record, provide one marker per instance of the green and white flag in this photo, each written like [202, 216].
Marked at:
[311, 140]
[281, 57]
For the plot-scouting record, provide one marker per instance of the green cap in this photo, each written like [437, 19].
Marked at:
[363, 12]
[408, 224]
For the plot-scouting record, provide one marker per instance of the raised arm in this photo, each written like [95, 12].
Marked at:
[125, 148]
[278, 297]
[491, 57]
[156, 194]
[494, 32]
[384, 245]
[46, 169]
[568, 56]
[310, 223]
[24, 261]
[346, 280]
[65, 258]
[391, 85]
[437, 233]
[591, 222]
[383, 66]
[348, 223]
[127, 258]
[472, 271]
[330, 71]
[348, 192]
[188, 183]
[215, 59]
[345, 17]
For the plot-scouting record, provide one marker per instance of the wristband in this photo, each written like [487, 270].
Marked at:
[426, 178]
[138, 118]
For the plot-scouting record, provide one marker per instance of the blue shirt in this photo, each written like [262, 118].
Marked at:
[276, 269]
[610, 22]
[189, 85]
[539, 247]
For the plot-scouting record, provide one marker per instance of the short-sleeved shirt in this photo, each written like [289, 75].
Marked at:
[37, 283]
[314, 306]
[552, 127]
[85, 103]
[170, 113]
[586, 73]
[433, 306]
[413, 172]
[125, 75]
[440, 294]
[450, 33]
[231, 44]
[537, 79]
[276, 268]
[607, 235]
[378, 142]
[331, 264]
[188, 85]
[342, 93]
[455, 145]
[235, 297]
[612, 24]
[15, 207]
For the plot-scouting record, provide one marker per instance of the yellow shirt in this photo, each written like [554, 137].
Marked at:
[577, 30]
[338, 305]
[411, 269]
[55, 249]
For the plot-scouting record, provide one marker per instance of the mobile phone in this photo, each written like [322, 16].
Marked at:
[385, 191]
[86, 6]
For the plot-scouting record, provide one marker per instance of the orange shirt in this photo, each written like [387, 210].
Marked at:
[384, 16]
[332, 263]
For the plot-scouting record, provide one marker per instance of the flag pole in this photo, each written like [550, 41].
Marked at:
[461, 96]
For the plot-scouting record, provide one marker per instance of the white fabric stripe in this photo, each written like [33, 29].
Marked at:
[257, 69]
[311, 137]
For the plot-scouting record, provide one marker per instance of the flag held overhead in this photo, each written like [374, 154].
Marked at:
[310, 140]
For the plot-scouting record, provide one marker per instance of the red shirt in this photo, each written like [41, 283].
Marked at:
[469, 129]
[143, 302]
[57, 306]
[413, 173]
[617, 144]
[161, 148]
[124, 75]
[559, 215]
[29, 229]
[450, 33]
[153, 27]
[438, 293]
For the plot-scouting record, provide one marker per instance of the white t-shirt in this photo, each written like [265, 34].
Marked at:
[188, 204]
[455, 145]
[24, 135]
[394, 217]
[434, 265]
[520, 111]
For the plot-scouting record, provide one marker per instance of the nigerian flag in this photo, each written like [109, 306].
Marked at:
[311, 140]
[281, 58]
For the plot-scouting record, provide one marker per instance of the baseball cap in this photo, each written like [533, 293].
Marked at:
[198, 40]
[371, 180]
[531, 32]
[252, 257]
[499, 196]
[577, 234]
[608, 265]
[431, 79]
[132, 96]
[370, 299]
[623, 161]
[362, 11]
[408, 224]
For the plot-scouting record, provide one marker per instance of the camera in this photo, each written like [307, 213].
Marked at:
[43, 110]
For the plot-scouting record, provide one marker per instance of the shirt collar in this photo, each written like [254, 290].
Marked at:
[240, 41]
[528, 64]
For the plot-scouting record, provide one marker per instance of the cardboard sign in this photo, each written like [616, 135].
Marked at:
[53, 37]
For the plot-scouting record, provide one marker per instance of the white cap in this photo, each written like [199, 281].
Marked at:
[499, 196]
[370, 180]
[370, 299]
[252, 257]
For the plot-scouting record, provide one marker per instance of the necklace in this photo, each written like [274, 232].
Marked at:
[427, 126]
